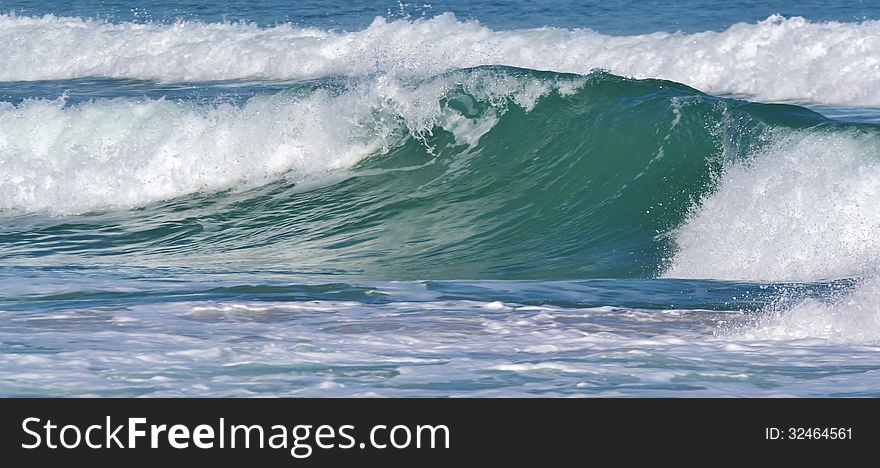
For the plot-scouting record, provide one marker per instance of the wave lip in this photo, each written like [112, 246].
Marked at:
[773, 60]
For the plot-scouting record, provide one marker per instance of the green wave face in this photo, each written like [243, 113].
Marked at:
[578, 187]
[585, 184]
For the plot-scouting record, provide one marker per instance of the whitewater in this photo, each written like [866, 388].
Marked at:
[776, 59]
[438, 207]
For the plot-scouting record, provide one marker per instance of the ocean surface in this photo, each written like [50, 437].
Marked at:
[315, 198]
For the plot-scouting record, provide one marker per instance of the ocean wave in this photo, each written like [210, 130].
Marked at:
[126, 153]
[482, 173]
[773, 60]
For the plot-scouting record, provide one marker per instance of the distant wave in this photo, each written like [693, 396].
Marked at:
[775, 59]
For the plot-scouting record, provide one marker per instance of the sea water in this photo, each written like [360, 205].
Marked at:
[447, 199]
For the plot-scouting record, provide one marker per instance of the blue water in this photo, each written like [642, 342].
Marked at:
[452, 199]
[608, 16]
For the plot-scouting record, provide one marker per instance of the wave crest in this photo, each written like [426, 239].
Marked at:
[125, 153]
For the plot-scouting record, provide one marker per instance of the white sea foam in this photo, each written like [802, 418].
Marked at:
[122, 153]
[804, 208]
[403, 348]
[775, 59]
[853, 318]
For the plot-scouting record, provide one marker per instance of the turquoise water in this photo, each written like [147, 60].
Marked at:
[251, 199]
